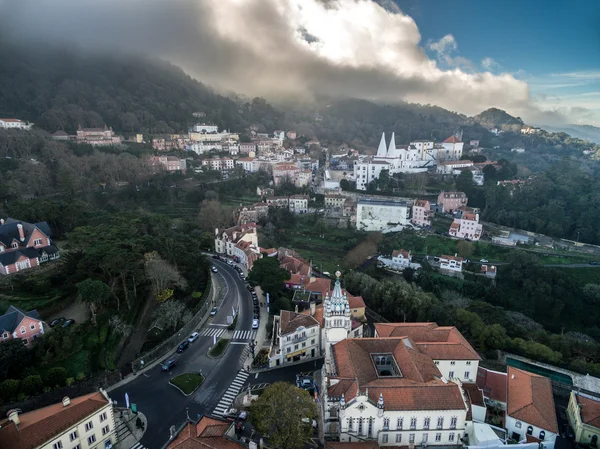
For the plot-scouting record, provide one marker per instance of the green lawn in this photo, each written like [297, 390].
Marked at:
[583, 275]
[188, 382]
[218, 349]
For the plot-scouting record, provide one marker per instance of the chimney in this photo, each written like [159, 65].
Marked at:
[21, 233]
[13, 415]
[66, 401]
[312, 308]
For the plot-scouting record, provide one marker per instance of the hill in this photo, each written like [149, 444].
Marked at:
[63, 89]
[496, 118]
[587, 132]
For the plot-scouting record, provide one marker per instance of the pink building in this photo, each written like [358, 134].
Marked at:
[467, 227]
[97, 136]
[167, 163]
[291, 135]
[24, 245]
[283, 171]
[421, 213]
[450, 201]
[247, 147]
[16, 323]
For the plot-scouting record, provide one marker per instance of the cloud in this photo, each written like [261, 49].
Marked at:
[292, 49]
[489, 64]
[592, 75]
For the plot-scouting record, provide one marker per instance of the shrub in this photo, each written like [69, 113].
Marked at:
[196, 295]
[56, 377]
[31, 385]
[103, 334]
[9, 389]
[70, 381]
[80, 376]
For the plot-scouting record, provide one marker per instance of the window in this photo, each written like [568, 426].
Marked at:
[529, 430]
[384, 438]
[15, 245]
[23, 330]
[26, 341]
[452, 362]
[91, 439]
[399, 423]
[89, 426]
[411, 438]
[426, 422]
[453, 421]
[360, 426]
[425, 437]
[386, 423]
[437, 362]
[398, 438]
[413, 423]
[103, 417]
[37, 242]
[440, 422]
[543, 435]
[451, 374]
[438, 437]
[312, 342]
[295, 347]
[105, 430]
[518, 424]
[57, 445]
[77, 446]
[350, 422]
[32, 327]
[370, 432]
[5, 335]
[73, 435]
[451, 436]
[467, 374]
[289, 349]
[304, 344]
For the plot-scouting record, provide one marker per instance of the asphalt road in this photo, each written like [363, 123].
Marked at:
[165, 406]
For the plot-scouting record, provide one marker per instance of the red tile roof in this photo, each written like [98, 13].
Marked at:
[474, 394]
[355, 302]
[319, 285]
[290, 321]
[589, 410]
[348, 445]
[418, 388]
[438, 342]
[405, 254]
[530, 399]
[458, 259]
[208, 433]
[493, 384]
[40, 426]
[452, 139]
[422, 203]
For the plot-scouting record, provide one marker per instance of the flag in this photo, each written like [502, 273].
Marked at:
[127, 400]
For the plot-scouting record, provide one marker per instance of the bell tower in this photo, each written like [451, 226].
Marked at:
[336, 316]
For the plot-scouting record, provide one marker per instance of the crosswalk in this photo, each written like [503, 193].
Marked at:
[231, 393]
[244, 335]
[213, 331]
[138, 446]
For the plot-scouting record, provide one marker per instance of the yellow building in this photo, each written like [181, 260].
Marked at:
[86, 422]
[584, 416]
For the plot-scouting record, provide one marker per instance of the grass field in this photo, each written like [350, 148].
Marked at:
[188, 382]
[218, 349]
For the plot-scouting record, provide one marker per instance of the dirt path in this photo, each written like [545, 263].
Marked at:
[138, 337]
[75, 311]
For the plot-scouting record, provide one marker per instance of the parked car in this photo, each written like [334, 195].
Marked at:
[256, 315]
[213, 312]
[214, 269]
[483, 260]
[250, 288]
[594, 262]
[56, 321]
[168, 365]
[215, 257]
[254, 324]
[193, 337]
[68, 323]
[305, 382]
[183, 346]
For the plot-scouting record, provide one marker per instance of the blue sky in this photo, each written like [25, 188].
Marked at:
[553, 45]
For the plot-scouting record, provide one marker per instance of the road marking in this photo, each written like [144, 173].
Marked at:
[212, 331]
[256, 376]
[238, 343]
[222, 325]
[244, 335]
[137, 446]
[231, 393]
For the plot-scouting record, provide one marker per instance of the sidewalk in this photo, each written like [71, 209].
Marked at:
[128, 434]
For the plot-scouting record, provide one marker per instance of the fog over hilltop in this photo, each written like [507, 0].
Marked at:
[281, 49]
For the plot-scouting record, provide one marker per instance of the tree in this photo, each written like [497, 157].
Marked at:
[56, 377]
[280, 411]
[214, 215]
[345, 184]
[171, 314]
[464, 248]
[32, 385]
[94, 294]
[162, 276]
[119, 326]
[9, 389]
[464, 181]
[267, 273]
[14, 358]
[384, 180]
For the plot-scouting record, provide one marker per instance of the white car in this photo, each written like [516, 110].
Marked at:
[254, 324]
[193, 337]
[214, 269]
[484, 261]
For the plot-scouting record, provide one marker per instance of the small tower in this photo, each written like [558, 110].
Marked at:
[342, 411]
[380, 405]
[337, 317]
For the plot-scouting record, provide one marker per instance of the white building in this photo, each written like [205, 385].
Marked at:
[14, 123]
[247, 163]
[378, 215]
[530, 412]
[400, 260]
[298, 204]
[422, 213]
[517, 150]
[204, 128]
[367, 171]
[452, 167]
[219, 164]
[467, 227]
[296, 336]
[226, 239]
[85, 422]
[451, 264]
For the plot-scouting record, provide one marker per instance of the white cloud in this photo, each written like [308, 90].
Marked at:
[489, 64]
[281, 48]
[592, 75]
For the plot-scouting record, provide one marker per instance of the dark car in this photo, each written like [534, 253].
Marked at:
[56, 321]
[594, 262]
[305, 382]
[68, 323]
[168, 365]
[568, 432]
[183, 346]
[215, 257]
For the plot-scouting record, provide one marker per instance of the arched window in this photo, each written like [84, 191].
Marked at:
[542, 435]
[529, 430]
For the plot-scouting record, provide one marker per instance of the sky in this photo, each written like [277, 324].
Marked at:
[537, 59]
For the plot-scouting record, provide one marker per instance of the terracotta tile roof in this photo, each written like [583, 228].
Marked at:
[488, 268]
[431, 396]
[474, 394]
[530, 399]
[422, 203]
[290, 321]
[41, 425]
[438, 342]
[208, 433]
[452, 139]
[344, 386]
[493, 384]
[471, 217]
[319, 285]
[355, 302]
[458, 259]
[318, 314]
[397, 252]
[589, 410]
